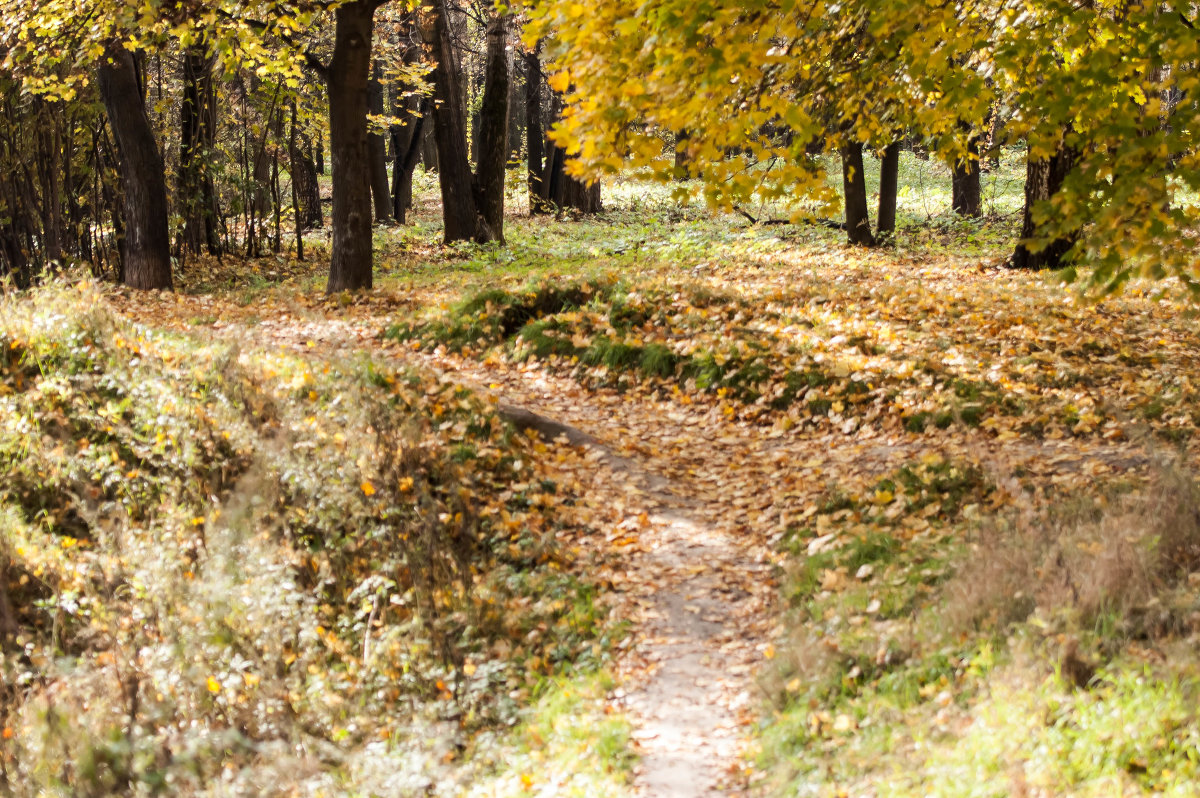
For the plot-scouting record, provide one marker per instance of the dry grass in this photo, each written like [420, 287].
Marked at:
[1119, 562]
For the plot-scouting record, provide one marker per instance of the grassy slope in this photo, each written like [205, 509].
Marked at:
[230, 568]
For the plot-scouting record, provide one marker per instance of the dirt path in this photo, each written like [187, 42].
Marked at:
[696, 586]
[694, 579]
[695, 502]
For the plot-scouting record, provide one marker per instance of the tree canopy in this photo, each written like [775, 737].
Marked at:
[761, 86]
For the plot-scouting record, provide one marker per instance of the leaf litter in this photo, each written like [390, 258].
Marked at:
[698, 486]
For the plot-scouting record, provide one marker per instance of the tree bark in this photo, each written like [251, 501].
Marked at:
[889, 179]
[377, 151]
[406, 139]
[681, 155]
[429, 152]
[197, 138]
[854, 184]
[304, 177]
[492, 152]
[1043, 178]
[350, 266]
[406, 144]
[147, 242]
[49, 137]
[535, 135]
[459, 212]
[965, 189]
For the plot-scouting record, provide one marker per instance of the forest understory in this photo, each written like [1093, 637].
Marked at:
[652, 502]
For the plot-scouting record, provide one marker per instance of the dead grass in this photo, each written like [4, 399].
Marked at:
[1114, 564]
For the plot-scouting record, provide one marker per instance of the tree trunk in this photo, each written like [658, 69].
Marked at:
[535, 135]
[854, 184]
[559, 190]
[681, 155]
[889, 179]
[429, 154]
[377, 151]
[262, 198]
[406, 143]
[516, 108]
[304, 178]
[1043, 179]
[966, 192]
[147, 244]
[581, 196]
[350, 267]
[49, 148]
[492, 152]
[459, 212]
[406, 139]
[197, 138]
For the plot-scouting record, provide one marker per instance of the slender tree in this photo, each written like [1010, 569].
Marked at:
[377, 150]
[472, 203]
[347, 78]
[889, 179]
[146, 249]
[197, 139]
[854, 186]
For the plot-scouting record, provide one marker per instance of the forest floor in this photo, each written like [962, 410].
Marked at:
[893, 522]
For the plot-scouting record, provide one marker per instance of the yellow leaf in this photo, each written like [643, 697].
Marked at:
[560, 81]
[213, 685]
[367, 488]
[406, 484]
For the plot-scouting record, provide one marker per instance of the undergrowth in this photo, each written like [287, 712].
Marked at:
[942, 650]
[226, 570]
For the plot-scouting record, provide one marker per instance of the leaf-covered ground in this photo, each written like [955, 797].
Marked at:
[842, 523]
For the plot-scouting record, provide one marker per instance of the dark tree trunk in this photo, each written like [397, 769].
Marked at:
[492, 140]
[681, 155]
[406, 144]
[535, 135]
[49, 148]
[559, 190]
[429, 153]
[995, 131]
[516, 108]
[565, 192]
[147, 244]
[854, 184]
[406, 140]
[581, 196]
[889, 179]
[459, 212]
[320, 159]
[965, 189]
[377, 151]
[1043, 179]
[295, 155]
[304, 178]
[350, 267]
[262, 197]
[197, 138]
